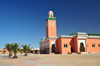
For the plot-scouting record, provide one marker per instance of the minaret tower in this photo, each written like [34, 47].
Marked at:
[50, 25]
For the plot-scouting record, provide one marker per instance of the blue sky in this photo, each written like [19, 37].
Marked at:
[24, 21]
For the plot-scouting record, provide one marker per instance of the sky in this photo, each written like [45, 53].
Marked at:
[24, 21]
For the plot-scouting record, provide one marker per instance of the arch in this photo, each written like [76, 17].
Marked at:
[53, 48]
[50, 15]
[82, 48]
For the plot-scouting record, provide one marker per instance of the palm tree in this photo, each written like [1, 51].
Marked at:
[29, 50]
[9, 48]
[21, 50]
[32, 48]
[26, 49]
[15, 49]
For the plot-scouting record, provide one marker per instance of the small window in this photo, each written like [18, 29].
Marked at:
[50, 15]
[93, 45]
[87, 45]
[66, 45]
[98, 45]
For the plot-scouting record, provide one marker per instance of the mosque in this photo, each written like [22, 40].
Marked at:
[76, 42]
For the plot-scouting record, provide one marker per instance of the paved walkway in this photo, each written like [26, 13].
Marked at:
[25, 61]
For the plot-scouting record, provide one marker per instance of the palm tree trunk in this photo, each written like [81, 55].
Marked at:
[26, 54]
[15, 56]
[10, 54]
[21, 52]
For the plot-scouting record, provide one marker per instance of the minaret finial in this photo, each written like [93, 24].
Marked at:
[50, 11]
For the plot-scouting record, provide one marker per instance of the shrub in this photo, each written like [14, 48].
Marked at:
[26, 49]
[4, 51]
[36, 51]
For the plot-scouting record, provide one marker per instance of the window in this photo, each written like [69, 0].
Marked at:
[93, 45]
[50, 15]
[52, 24]
[98, 45]
[66, 45]
[87, 45]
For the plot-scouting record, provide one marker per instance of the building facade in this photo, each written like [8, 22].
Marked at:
[76, 42]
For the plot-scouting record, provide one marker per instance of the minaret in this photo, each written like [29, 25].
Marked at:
[50, 25]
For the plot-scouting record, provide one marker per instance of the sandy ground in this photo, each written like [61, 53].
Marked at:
[74, 59]
[61, 59]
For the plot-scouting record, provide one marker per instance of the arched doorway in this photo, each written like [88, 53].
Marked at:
[31, 52]
[71, 49]
[53, 48]
[82, 48]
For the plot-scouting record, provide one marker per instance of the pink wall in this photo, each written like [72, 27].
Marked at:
[75, 44]
[66, 41]
[50, 30]
[58, 44]
[89, 43]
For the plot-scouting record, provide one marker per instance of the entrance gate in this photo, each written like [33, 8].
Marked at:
[82, 49]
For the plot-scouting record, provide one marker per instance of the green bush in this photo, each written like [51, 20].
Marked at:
[36, 51]
[4, 51]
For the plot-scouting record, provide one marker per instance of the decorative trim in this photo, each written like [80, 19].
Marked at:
[94, 37]
[53, 42]
[48, 39]
[81, 37]
[83, 41]
[51, 19]
[72, 34]
[52, 24]
[53, 37]
[66, 36]
[91, 34]
[83, 33]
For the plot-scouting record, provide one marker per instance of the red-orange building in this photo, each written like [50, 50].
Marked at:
[76, 42]
[2, 50]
